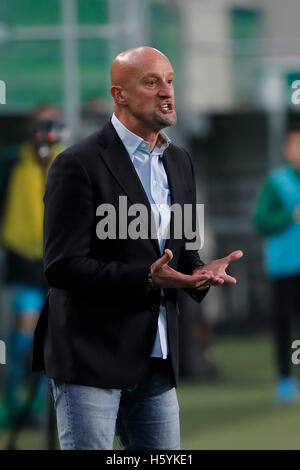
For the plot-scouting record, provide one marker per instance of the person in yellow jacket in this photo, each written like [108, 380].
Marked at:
[22, 240]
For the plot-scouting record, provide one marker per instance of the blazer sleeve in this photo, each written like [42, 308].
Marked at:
[69, 222]
[190, 259]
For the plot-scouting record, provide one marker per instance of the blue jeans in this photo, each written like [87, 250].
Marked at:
[143, 418]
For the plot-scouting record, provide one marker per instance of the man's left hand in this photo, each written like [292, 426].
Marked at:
[218, 268]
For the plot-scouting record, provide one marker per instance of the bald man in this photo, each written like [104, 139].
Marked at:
[108, 333]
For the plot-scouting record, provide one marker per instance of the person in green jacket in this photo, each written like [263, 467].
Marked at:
[277, 217]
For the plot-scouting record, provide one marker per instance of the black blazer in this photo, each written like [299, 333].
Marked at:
[99, 322]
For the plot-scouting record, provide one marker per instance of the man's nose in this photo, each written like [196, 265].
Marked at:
[166, 90]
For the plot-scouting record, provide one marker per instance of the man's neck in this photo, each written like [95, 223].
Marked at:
[139, 129]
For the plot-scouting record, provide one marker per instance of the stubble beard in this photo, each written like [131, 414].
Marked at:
[166, 121]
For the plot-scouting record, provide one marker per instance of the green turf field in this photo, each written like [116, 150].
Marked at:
[236, 412]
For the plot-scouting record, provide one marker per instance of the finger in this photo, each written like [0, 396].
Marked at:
[235, 255]
[205, 273]
[198, 269]
[217, 278]
[192, 282]
[230, 279]
[218, 281]
[202, 272]
[197, 274]
[180, 280]
[202, 283]
[166, 258]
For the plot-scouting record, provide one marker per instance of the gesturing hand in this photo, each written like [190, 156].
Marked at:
[218, 269]
[164, 276]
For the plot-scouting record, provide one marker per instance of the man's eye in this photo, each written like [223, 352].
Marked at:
[150, 82]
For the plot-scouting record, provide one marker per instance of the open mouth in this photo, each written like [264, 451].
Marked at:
[166, 108]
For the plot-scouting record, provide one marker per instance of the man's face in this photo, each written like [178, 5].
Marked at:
[149, 93]
[292, 148]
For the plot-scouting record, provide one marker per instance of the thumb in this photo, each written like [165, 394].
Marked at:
[234, 256]
[166, 258]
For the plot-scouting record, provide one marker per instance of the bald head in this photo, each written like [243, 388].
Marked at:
[142, 89]
[132, 62]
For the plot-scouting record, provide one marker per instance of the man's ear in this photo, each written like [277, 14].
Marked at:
[118, 95]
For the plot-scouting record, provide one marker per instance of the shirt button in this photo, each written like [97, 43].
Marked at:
[154, 182]
[161, 206]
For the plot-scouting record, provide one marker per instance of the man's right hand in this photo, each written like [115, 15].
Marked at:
[164, 276]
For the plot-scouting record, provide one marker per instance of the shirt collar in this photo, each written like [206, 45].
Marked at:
[133, 142]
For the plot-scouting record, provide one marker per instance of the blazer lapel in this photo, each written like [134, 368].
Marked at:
[122, 169]
[175, 184]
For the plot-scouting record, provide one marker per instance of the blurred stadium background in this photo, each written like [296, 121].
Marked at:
[235, 61]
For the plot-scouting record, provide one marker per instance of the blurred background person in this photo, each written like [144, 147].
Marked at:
[277, 217]
[24, 174]
[235, 62]
[94, 115]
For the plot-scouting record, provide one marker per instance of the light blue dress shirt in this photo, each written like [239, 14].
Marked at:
[150, 169]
